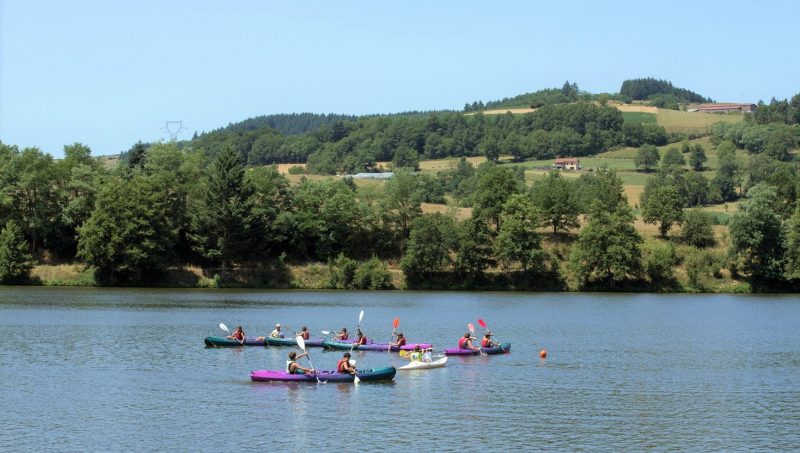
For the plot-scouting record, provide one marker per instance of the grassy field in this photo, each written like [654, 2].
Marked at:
[640, 117]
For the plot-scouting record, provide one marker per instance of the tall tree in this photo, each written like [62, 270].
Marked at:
[429, 246]
[401, 201]
[495, 184]
[673, 158]
[557, 201]
[608, 247]
[224, 226]
[793, 245]
[697, 158]
[727, 177]
[646, 157]
[15, 260]
[663, 206]
[518, 241]
[757, 239]
[128, 237]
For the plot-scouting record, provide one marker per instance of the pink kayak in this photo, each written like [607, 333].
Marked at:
[342, 346]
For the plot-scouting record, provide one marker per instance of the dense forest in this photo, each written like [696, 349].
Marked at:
[209, 203]
[648, 88]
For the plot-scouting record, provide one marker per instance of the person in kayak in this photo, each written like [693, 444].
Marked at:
[237, 335]
[487, 341]
[465, 342]
[304, 333]
[342, 334]
[343, 365]
[401, 340]
[360, 338]
[292, 367]
[277, 332]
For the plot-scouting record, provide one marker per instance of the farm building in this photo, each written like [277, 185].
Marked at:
[567, 163]
[721, 108]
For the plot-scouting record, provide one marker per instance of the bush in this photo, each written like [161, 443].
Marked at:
[373, 274]
[697, 229]
[659, 263]
[702, 266]
[343, 272]
[297, 170]
[15, 260]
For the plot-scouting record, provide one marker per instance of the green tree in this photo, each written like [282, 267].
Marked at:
[518, 241]
[659, 264]
[405, 157]
[663, 206]
[697, 229]
[224, 228]
[757, 239]
[15, 260]
[793, 245]
[402, 201]
[697, 158]
[646, 157]
[608, 247]
[673, 158]
[474, 249]
[727, 177]
[429, 245]
[494, 186]
[557, 201]
[128, 236]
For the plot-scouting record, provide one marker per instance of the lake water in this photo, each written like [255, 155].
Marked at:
[111, 370]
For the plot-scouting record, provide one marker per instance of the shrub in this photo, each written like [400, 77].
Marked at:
[297, 170]
[697, 229]
[343, 272]
[373, 274]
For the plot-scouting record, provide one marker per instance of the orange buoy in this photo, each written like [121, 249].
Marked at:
[543, 353]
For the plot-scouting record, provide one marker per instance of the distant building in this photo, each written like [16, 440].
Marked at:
[384, 175]
[721, 108]
[567, 163]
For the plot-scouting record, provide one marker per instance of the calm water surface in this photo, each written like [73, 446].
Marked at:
[110, 370]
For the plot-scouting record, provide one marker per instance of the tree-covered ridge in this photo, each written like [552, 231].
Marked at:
[288, 123]
[567, 93]
[646, 88]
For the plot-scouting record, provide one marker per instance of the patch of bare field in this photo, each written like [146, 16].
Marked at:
[458, 213]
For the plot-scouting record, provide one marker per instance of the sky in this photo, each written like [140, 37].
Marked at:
[108, 74]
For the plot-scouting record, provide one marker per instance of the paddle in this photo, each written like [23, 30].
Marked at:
[358, 327]
[302, 343]
[471, 328]
[395, 323]
[482, 323]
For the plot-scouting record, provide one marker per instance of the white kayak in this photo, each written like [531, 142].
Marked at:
[417, 365]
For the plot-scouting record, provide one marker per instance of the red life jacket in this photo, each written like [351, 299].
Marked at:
[343, 337]
[401, 342]
[363, 340]
[238, 335]
[486, 343]
[339, 367]
[462, 343]
[305, 335]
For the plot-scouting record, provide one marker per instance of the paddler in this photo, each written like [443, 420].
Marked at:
[292, 367]
[465, 342]
[487, 341]
[343, 365]
[237, 335]
[360, 338]
[401, 340]
[304, 333]
[342, 334]
[277, 332]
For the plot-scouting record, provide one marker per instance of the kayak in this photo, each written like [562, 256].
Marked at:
[417, 365]
[340, 345]
[252, 341]
[502, 349]
[372, 374]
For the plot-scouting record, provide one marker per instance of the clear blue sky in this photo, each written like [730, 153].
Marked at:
[110, 73]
